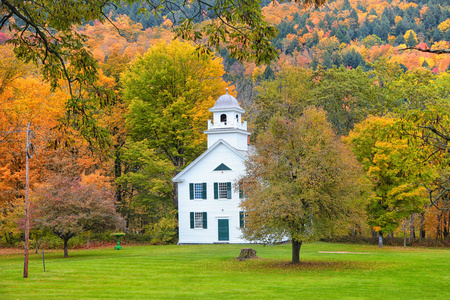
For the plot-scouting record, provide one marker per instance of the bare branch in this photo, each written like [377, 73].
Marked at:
[434, 51]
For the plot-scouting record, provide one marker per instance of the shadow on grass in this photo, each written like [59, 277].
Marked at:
[311, 265]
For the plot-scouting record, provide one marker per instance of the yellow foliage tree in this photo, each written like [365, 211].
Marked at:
[445, 25]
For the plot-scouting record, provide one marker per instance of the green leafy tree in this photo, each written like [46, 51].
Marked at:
[300, 182]
[287, 95]
[398, 169]
[168, 92]
[347, 95]
[68, 207]
[147, 185]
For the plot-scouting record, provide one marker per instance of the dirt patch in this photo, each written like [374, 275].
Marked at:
[9, 251]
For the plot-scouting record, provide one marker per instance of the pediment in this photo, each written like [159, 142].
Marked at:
[222, 167]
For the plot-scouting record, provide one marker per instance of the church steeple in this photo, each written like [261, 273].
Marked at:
[227, 123]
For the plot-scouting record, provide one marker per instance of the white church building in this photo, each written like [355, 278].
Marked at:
[208, 202]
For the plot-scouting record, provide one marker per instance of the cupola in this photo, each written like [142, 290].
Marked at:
[227, 123]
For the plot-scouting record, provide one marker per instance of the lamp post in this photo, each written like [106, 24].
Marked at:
[29, 154]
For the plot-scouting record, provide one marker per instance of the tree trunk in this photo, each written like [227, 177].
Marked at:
[422, 229]
[412, 229]
[175, 195]
[404, 238]
[66, 252]
[380, 239]
[296, 245]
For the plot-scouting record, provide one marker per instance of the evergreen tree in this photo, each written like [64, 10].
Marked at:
[336, 58]
[447, 35]
[363, 31]
[360, 7]
[315, 40]
[399, 40]
[294, 45]
[346, 5]
[327, 62]
[353, 20]
[431, 17]
[437, 35]
[400, 29]
[389, 15]
[268, 74]
[322, 24]
[342, 35]
[411, 41]
[314, 63]
[353, 59]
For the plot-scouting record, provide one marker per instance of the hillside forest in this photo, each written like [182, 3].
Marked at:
[143, 120]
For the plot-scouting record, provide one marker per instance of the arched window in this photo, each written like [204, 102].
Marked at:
[223, 118]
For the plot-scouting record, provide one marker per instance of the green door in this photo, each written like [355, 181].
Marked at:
[224, 231]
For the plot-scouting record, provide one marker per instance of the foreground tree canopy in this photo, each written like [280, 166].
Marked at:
[44, 30]
[301, 182]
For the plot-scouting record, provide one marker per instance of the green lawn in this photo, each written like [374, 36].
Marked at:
[211, 272]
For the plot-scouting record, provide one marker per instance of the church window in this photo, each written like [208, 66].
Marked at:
[197, 191]
[222, 190]
[223, 118]
[242, 219]
[199, 220]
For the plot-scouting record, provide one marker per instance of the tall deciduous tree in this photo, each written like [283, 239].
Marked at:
[398, 169]
[347, 95]
[287, 95]
[169, 91]
[68, 207]
[301, 182]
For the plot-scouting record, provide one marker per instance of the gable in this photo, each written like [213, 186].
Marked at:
[215, 153]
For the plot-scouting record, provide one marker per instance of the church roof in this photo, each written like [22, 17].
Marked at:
[226, 101]
[240, 153]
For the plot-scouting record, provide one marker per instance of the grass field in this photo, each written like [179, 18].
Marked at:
[211, 272]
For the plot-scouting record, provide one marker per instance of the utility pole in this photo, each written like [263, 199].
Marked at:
[29, 154]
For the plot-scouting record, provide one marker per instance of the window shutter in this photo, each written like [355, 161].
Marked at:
[205, 221]
[229, 190]
[192, 220]
[241, 193]
[204, 190]
[241, 219]
[216, 190]
[191, 191]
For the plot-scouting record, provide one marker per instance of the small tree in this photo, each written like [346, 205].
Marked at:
[67, 207]
[300, 182]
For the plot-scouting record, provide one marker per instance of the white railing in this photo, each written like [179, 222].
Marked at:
[223, 125]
